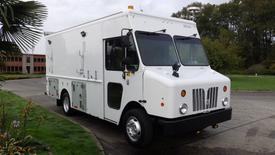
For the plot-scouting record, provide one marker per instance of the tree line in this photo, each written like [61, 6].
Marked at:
[237, 35]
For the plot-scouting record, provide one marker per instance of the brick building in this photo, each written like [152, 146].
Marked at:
[25, 63]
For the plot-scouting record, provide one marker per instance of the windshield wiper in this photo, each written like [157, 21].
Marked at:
[154, 33]
[163, 31]
[193, 36]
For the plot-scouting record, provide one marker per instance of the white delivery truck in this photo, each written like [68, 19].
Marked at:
[138, 71]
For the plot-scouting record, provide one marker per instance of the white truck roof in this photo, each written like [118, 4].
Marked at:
[123, 13]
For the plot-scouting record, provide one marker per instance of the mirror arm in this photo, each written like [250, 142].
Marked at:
[124, 73]
[124, 29]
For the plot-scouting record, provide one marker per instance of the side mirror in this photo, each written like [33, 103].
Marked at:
[176, 68]
[126, 40]
[126, 61]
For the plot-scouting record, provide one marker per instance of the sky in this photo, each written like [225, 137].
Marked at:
[67, 13]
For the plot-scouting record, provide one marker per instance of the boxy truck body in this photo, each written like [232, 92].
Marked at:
[86, 63]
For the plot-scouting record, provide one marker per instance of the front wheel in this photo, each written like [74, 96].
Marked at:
[138, 128]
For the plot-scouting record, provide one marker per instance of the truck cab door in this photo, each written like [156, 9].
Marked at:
[117, 76]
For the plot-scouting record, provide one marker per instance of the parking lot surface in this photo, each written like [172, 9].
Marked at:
[251, 130]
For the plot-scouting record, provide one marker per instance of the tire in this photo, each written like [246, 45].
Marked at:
[66, 104]
[58, 102]
[138, 128]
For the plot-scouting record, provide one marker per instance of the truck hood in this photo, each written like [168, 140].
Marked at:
[187, 74]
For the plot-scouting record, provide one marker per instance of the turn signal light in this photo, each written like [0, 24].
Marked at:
[183, 93]
[224, 88]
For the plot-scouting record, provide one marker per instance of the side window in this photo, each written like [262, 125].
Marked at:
[114, 54]
[115, 91]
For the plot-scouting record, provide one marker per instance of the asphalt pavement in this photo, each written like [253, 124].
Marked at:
[250, 132]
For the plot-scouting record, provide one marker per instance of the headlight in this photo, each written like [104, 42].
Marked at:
[225, 101]
[183, 109]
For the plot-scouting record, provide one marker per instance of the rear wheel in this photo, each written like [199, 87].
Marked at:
[138, 128]
[66, 104]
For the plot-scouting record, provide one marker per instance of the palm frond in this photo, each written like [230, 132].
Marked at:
[21, 22]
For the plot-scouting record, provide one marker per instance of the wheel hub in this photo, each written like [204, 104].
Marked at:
[66, 104]
[133, 128]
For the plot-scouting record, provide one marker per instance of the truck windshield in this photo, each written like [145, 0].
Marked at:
[156, 49]
[191, 51]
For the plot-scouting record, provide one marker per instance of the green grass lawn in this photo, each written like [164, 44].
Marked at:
[60, 135]
[252, 83]
[20, 76]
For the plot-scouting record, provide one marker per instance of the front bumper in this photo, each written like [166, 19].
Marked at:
[194, 122]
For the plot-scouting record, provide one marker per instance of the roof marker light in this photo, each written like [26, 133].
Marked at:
[130, 7]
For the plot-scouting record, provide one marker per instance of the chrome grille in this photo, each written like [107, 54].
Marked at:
[202, 103]
[212, 97]
[198, 99]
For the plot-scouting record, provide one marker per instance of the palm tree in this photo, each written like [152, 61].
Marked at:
[20, 24]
